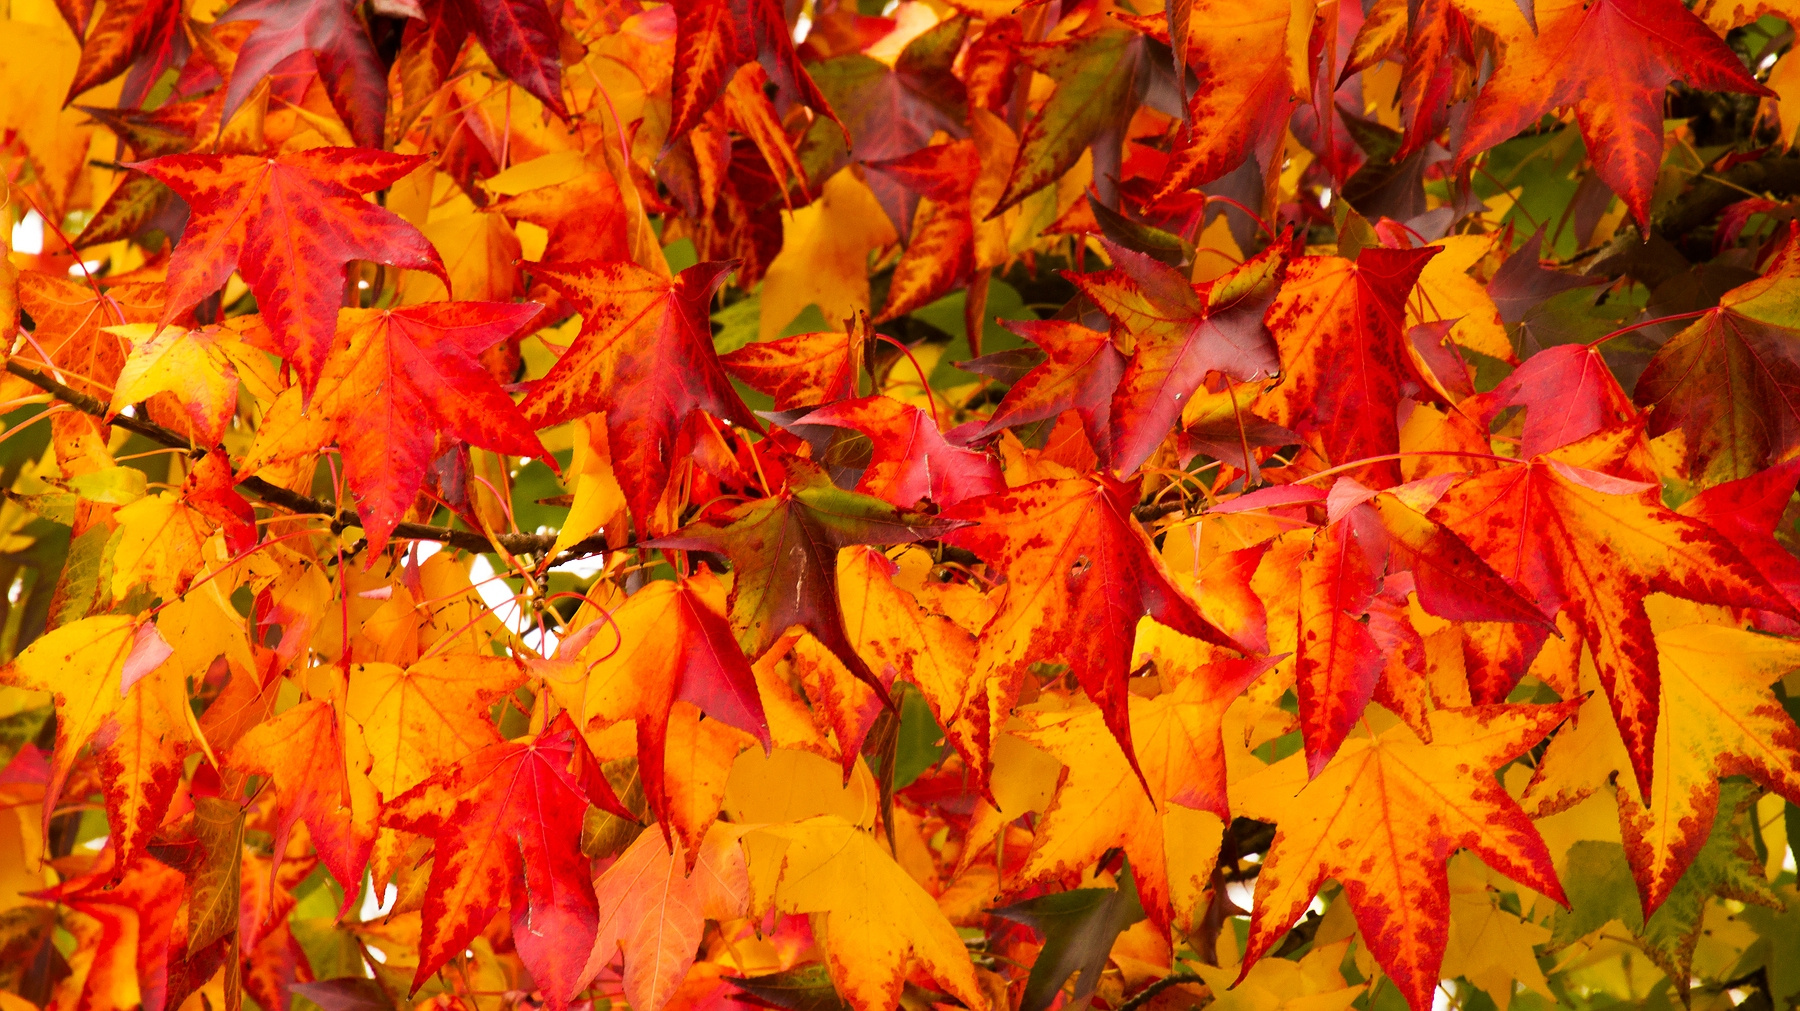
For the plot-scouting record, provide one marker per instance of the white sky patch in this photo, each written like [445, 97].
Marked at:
[497, 594]
[373, 907]
[28, 234]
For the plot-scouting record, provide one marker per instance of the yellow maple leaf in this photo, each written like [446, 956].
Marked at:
[876, 919]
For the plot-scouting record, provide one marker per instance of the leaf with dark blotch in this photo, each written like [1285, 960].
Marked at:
[805, 987]
[1522, 282]
[783, 552]
[1079, 928]
[351, 993]
[1182, 333]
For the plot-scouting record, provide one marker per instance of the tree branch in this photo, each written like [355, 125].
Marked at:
[293, 501]
[1701, 204]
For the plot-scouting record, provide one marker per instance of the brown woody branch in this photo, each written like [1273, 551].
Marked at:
[293, 501]
[1711, 194]
[306, 505]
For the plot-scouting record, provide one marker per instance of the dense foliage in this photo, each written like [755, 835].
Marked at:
[1275, 504]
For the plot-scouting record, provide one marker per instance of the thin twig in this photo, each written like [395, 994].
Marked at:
[293, 501]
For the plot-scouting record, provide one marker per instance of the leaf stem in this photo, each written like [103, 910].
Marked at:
[1622, 331]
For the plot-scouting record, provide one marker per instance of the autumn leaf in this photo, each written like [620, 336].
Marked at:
[1340, 329]
[1725, 381]
[419, 720]
[1586, 530]
[807, 369]
[638, 330]
[1718, 718]
[1179, 333]
[1100, 801]
[115, 686]
[714, 38]
[1101, 71]
[654, 904]
[245, 216]
[912, 460]
[343, 53]
[506, 821]
[878, 920]
[1383, 818]
[665, 644]
[303, 754]
[784, 553]
[520, 36]
[190, 364]
[402, 386]
[1611, 61]
[1248, 72]
[1080, 574]
[891, 110]
[1080, 370]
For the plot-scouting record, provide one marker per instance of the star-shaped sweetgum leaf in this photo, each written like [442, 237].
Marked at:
[1341, 328]
[783, 552]
[910, 458]
[1180, 332]
[713, 38]
[1247, 82]
[302, 755]
[506, 822]
[645, 357]
[289, 224]
[1612, 60]
[1372, 537]
[1383, 818]
[403, 385]
[1101, 803]
[669, 642]
[1079, 372]
[350, 68]
[114, 683]
[1579, 539]
[1719, 718]
[421, 719]
[889, 113]
[1730, 381]
[1080, 572]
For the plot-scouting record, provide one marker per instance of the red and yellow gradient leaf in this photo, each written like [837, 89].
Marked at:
[506, 821]
[402, 388]
[645, 357]
[1080, 573]
[1341, 328]
[1612, 61]
[1596, 546]
[667, 643]
[115, 684]
[1383, 818]
[1101, 802]
[290, 224]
